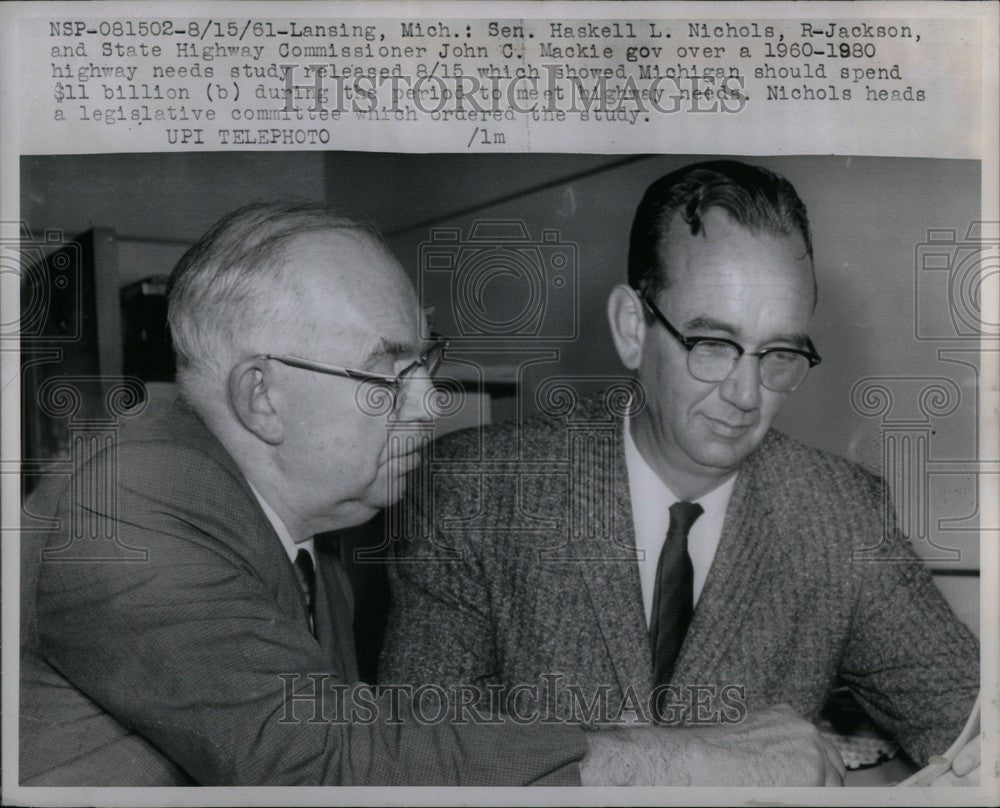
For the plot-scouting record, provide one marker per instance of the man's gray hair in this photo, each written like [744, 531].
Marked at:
[234, 282]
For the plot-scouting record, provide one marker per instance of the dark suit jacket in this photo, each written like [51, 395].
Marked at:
[156, 657]
[523, 564]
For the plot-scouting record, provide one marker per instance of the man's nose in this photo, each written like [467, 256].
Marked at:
[741, 387]
[416, 398]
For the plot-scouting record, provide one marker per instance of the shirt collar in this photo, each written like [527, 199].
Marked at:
[287, 542]
[652, 489]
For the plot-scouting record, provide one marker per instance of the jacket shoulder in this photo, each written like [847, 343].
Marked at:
[541, 436]
[162, 475]
[805, 484]
[790, 464]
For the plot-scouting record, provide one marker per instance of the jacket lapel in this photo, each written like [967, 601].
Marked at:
[333, 615]
[263, 551]
[259, 546]
[603, 534]
[603, 539]
[744, 551]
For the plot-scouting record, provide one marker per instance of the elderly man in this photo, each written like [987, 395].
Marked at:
[203, 655]
[703, 563]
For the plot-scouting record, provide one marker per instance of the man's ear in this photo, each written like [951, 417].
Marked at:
[252, 397]
[628, 324]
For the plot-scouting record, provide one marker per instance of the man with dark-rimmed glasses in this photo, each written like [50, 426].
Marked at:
[713, 359]
[704, 570]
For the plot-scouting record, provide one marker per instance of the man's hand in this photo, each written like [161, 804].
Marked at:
[774, 747]
[964, 768]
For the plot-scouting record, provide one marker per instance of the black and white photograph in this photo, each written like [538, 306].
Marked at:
[399, 475]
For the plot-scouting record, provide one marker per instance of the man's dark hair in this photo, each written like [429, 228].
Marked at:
[754, 198]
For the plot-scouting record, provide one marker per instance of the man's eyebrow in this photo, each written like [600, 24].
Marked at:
[708, 324]
[797, 339]
[388, 348]
[702, 323]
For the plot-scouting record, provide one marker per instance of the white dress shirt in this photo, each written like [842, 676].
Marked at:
[291, 546]
[651, 501]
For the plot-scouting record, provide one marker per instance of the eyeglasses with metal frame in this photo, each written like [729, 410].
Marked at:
[429, 361]
[712, 359]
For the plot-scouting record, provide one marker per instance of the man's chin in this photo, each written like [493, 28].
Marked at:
[391, 482]
[723, 454]
[395, 494]
[354, 514]
[390, 487]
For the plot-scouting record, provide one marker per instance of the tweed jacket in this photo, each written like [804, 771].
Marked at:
[520, 572]
[163, 633]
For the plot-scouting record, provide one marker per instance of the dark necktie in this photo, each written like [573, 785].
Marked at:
[307, 579]
[673, 595]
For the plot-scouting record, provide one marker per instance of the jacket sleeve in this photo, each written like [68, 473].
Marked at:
[910, 662]
[441, 627]
[191, 650]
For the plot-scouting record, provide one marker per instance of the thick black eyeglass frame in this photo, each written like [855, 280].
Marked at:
[430, 359]
[690, 342]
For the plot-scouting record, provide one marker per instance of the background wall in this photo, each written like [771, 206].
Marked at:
[881, 316]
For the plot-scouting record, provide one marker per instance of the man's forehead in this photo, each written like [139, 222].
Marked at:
[353, 292]
[396, 337]
[347, 267]
[729, 248]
